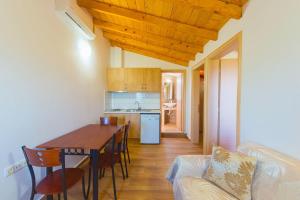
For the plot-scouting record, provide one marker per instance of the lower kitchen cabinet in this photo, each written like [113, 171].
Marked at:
[135, 120]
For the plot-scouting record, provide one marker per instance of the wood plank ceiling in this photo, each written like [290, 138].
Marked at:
[170, 30]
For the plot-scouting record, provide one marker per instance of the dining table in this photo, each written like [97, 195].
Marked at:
[85, 141]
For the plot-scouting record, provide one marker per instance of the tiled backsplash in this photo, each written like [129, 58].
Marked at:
[116, 100]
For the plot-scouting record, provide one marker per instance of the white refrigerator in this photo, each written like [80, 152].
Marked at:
[150, 128]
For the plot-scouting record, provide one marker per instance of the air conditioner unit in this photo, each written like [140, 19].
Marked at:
[75, 16]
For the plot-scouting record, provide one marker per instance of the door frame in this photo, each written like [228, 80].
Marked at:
[235, 43]
[183, 104]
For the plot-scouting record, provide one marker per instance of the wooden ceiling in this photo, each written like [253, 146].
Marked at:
[170, 30]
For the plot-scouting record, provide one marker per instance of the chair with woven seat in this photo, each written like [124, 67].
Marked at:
[56, 182]
[110, 157]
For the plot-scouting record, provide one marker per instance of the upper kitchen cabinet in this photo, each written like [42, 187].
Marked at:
[134, 79]
[152, 80]
[115, 79]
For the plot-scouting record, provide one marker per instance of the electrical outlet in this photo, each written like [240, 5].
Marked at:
[10, 170]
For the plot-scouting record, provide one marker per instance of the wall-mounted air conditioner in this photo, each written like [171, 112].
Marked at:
[75, 16]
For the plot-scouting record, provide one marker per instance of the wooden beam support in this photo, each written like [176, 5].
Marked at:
[236, 2]
[150, 53]
[150, 47]
[155, 44]
[96, 8]
[153, 38]
[222, 7]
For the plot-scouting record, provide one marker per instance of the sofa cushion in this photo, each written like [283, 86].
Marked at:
[233, 172]
[188, 165]
[277, 176]
[191, 188]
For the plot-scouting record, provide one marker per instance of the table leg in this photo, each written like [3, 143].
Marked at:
[49, 171]
[95, 157]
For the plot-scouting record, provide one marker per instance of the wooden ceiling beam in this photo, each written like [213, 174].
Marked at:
[142, 35]
[96, 8]
[152, 43]
[148, 53]
[222, 7]
[236, 2]
[151, 47]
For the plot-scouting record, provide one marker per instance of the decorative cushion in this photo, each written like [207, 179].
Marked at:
[232, 172]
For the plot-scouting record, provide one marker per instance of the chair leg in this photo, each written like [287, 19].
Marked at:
[58, 196]
[85, 194]
[100, 173]
[128, 154]
[65, 195]
[103, 172]
[114, 181]
[124, 155]
[122, 169]
[32, 195]
[89, 183]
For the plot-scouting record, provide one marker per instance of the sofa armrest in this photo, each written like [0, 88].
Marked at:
[188, 165]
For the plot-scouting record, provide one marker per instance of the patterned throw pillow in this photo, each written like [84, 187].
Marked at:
[233, 172]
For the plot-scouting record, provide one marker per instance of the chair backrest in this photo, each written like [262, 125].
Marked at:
[43, 158]
[117, 141]
[126, 132]
[119, 136]
[106, 121]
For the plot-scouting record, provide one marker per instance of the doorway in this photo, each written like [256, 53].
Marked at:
[197, 105]
[172, 102]
[222, 96]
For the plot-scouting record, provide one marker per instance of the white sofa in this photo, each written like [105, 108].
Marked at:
[277, 176]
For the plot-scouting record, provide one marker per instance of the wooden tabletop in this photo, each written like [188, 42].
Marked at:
[92, 136]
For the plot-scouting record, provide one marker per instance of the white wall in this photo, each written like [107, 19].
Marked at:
[270, 103]
[49, 84]
[137, 60]
[188, 103]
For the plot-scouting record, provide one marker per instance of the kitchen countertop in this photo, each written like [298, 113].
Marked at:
[131, 111]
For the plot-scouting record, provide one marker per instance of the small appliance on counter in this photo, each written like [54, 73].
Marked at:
[150, 128]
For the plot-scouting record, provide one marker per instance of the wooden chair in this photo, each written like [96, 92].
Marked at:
[109, 121]
[124, 147]
[56, 182]
[111, 157]
[127, 128]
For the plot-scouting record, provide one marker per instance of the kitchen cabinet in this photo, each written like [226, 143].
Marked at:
[152, 80]
[115, 79]
[134, 118]
[134, 79]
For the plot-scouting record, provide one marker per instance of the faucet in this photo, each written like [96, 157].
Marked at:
[139, 105]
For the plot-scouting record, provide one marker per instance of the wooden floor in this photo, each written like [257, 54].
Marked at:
[169, 127]
[146, 172]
